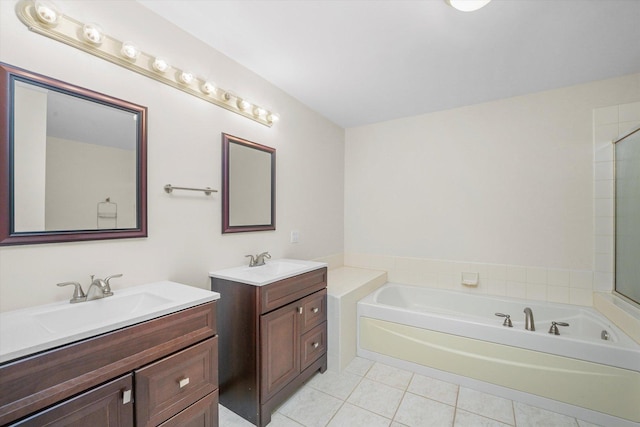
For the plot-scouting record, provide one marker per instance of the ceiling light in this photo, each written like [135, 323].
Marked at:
[129, 51]
[47, 12]
[160, 65]
[467, 5]
[185, 77]
[209, 88]
[93, 33]
[272, 117]
[243, 104]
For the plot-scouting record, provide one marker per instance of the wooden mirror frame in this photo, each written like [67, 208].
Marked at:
[226, 227]
[8, 75]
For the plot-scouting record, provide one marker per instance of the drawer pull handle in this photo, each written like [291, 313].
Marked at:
[126, 397]
[315, 309]
[183, 382]
[315, 344]
[299, 310]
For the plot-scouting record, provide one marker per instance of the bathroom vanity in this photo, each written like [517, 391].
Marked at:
[160, 371]
[274, 320]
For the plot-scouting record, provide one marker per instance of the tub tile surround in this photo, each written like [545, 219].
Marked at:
[527, 282]
[371, 394]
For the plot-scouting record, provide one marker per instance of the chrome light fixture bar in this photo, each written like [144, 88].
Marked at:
[42, 17]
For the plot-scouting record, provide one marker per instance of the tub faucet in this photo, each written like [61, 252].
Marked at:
[528, 320]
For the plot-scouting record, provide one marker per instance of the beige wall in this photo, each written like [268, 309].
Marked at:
[505, 185]
[184, 241]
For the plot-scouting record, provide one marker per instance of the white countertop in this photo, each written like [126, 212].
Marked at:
[33, 329]
[272, 271]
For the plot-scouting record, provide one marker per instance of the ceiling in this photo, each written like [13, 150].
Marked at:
[364, 61]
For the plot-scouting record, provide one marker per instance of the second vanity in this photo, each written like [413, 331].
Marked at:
[152, 364]
[274, 320]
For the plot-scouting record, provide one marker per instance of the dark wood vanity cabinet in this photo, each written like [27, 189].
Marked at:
[160, 372]
[274, 339]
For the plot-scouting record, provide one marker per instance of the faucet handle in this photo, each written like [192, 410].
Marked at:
[507, 319]
[78, 293]
[554, 327]
[107, 291]
[252, 261]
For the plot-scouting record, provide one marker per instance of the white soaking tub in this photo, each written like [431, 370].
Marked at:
[458, 333]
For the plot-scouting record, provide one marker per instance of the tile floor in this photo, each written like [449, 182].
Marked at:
[371, 394]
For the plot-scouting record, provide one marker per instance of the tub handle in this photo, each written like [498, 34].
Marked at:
[507, 319]
[554, 327]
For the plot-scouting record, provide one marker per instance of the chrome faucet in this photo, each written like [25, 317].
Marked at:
[99, 288]
[260, 258]
[257, 260]
[528, 320]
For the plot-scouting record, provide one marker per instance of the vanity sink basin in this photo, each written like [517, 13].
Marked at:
[34, 329]
[272, 271]
[69, 317]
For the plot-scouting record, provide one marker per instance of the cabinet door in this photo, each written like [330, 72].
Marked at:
[102, 406]
[279, 348]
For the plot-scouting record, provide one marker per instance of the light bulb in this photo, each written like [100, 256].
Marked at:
[467, 5]
[185, 77]
[93, 33]
[160, 65]
[258, 111]
[209, 88]
[129, 51]
[272, 117]
[243, 104]
[47, 12]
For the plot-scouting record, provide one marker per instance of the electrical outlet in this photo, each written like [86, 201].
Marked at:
[295, 236]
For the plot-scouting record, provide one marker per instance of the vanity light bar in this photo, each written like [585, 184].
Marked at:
[44, 18]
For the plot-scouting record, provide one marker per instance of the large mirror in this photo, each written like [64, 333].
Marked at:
[73, 162]
[248, 182]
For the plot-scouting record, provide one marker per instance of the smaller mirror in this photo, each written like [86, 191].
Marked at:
[248, 186]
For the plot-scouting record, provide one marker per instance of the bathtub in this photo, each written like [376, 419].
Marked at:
[458, 333]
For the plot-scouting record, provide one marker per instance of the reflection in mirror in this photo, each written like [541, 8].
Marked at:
[248, 179]
[75, 163]
[627, 216]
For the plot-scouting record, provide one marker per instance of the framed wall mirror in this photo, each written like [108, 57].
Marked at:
[72, 162]
[248, 186]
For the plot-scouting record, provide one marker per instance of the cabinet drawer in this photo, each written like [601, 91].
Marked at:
[313, 345]
[314, 310]
[285, 291]
[170, 385]
[203, 413]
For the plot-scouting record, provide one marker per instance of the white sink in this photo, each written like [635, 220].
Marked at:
[272, 271]
[34, 329]
[70, 317]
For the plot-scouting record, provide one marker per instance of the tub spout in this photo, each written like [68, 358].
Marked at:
[528, 320]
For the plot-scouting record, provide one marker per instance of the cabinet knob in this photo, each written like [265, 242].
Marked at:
[315, 309]
[315, 344]
[183, 382]
[300, 310]
[126, 396]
